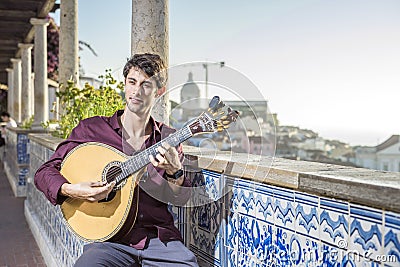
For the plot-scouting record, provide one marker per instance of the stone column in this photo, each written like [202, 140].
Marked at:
[26, 92]
[10, 91]
[150, 34]
[69, 43]
[41, 94]
[17, 89]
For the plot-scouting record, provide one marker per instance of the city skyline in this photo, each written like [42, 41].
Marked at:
[328, 66]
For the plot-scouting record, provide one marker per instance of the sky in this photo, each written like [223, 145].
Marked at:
[329, 66]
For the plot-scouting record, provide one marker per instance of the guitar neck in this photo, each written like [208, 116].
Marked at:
[141, 159]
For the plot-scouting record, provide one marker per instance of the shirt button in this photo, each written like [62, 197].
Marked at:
[140, 216]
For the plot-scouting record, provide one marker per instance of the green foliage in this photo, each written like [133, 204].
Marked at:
[78, 104]
[27, 123]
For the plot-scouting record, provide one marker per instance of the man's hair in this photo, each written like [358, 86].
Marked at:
[151, 64]
[5, 114]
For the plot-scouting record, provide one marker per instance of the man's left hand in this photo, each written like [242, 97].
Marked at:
[168, 159]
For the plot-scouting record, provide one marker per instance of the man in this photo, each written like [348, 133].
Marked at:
[153, 240]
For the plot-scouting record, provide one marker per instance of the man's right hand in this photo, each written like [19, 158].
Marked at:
[90, 191]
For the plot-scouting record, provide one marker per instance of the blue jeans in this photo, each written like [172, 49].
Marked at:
[157, 254]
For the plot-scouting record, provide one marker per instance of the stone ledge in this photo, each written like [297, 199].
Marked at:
[362, 186]
[357, 185]
[45, 140]
[26, 131]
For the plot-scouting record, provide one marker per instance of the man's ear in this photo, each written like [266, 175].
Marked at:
[161, 91]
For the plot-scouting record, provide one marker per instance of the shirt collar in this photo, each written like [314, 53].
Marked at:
[115, 124]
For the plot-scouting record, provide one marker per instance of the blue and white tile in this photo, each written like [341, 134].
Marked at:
[334, 256]
[308, 248]
[243, 198]
[216, 216]
[263, 241]
[287, 249]
[214, 184]
[284, 208]
[255, 237]
[334, 221]
[245, 260]
[231, 232]
[248, 234]
[230, 257]
[392, 239]
[307, 214]
[264, 203]
[201, 240]
[366, 231]
[219, 248]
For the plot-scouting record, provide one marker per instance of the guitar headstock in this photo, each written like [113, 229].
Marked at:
[217, 118]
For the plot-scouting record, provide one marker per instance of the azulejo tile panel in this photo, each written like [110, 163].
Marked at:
[255, 238]
[334, 222]
[391, 255]
[243, 198]
[284, 213]
[307, 214]
[264, 203]
[366, 231]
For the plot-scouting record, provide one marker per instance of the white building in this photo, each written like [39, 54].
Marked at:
[385, 157]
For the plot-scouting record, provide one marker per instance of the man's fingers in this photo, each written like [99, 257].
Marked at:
[153, 161]
[165, 146]
[96, 184]
[161, 159]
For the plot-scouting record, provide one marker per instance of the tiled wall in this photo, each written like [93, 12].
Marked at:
[235, 222]
[54, 236]
[256, 224]
[16, 161]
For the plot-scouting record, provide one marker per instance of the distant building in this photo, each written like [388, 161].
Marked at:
[254, 131]
[385, 156]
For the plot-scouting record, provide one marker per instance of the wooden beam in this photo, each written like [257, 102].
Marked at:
[9, 41]
[17, 13]
[46, 8]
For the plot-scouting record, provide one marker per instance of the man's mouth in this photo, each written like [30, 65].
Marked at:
[135, 100]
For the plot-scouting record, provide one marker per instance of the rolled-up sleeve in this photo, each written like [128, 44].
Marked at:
[48, 178]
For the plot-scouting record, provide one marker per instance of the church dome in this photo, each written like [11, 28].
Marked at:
[189, 90]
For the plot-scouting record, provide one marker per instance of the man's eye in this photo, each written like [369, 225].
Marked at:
[146, 86]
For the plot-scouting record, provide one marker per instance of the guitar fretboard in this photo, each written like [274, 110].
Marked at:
[141, 159]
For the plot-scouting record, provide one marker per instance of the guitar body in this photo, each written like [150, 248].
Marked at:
[97, 221]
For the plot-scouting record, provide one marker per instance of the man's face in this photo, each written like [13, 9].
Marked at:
[140, 91]
[4, 118]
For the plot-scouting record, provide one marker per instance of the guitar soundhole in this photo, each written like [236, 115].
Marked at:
[111, 172]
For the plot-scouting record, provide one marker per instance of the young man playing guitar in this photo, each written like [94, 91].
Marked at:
[149, 237]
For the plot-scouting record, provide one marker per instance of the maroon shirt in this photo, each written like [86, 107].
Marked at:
[153, 218]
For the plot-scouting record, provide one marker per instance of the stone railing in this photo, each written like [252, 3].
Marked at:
[248, 211]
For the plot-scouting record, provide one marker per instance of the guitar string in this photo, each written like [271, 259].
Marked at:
[134, 162]
[182, 133]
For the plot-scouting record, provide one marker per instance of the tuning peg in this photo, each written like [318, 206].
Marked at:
[220, 105]
[224, 117]
[226, 126]
[220, 129]
[225, 122]
[214, 102]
